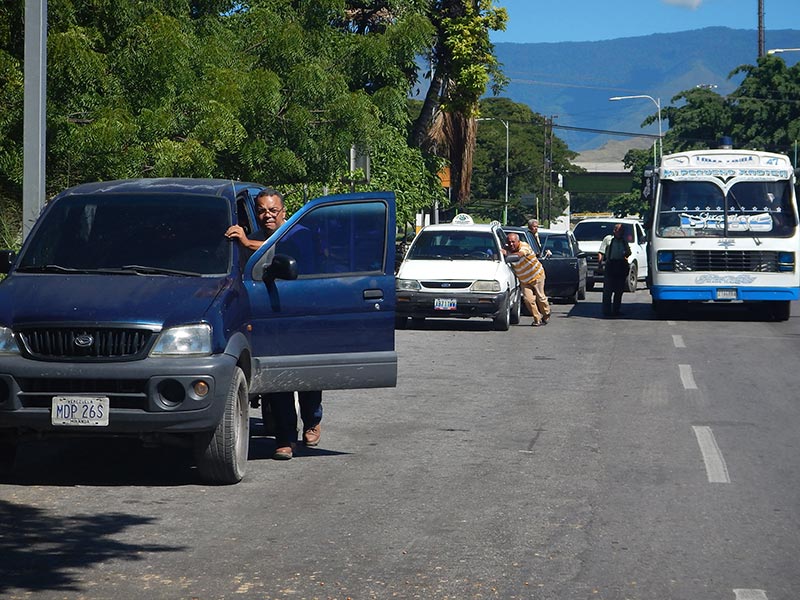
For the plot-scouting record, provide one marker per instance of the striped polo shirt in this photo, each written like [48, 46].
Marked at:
[528, 268]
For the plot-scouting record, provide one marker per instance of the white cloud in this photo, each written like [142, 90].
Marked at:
[693, 4]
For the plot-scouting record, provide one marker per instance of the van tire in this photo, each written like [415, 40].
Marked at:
[8, 455]
[221, 455]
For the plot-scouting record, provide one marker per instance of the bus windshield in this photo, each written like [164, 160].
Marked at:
[703, 209]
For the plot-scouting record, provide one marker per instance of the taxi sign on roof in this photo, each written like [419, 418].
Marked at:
[463, 219]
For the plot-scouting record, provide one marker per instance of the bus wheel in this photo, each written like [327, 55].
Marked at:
[781, 310]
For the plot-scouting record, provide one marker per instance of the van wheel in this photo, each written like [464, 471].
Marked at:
[633, 278]
[503, 320]
[8, 455]
[222, 454]
[780, 310]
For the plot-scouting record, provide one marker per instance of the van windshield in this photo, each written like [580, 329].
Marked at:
[117, 231]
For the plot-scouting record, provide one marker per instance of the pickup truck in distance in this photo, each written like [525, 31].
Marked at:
[127, 312]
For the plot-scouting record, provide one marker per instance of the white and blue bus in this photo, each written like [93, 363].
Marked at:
[724, 228]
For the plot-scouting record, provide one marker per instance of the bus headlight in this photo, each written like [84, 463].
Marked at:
[786, 262]
[666, 260]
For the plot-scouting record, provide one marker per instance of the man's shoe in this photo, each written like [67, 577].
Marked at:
[536, 323]
[283, 453]
[545, 320]
[312, 434]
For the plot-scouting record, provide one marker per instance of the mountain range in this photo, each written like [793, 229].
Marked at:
[573, 81]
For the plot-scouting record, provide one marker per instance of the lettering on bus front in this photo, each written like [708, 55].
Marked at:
[712, 279]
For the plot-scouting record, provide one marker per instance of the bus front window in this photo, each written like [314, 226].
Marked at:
[701, 209]
[690, 208]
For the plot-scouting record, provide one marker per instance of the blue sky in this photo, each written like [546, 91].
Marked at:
[591, 20]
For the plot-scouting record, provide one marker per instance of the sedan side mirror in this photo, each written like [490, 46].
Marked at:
[512, 258]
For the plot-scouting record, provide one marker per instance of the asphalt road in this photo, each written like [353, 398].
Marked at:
[635, 458]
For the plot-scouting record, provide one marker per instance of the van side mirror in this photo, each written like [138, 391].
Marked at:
[7, 258]
[281, 267]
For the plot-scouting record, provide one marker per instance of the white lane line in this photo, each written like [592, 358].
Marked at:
[750, 594]
[687, 378]
[716, 469]
[671, 323]
[678, 341]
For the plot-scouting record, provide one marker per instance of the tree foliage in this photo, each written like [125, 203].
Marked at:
[526, 163]
[463, 66]
[763, 113]
[274, 91]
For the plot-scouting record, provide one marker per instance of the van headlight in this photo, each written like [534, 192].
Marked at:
[187, 340]
[485, 285]
[8, 345]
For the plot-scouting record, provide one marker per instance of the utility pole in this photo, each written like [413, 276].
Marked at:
[760, 28]
[34, 106]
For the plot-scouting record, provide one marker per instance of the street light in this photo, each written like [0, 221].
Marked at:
[781, 50]
[658, 106]
[505, 204]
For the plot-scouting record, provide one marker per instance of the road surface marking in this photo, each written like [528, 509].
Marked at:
[750, 594]
[716, 469]
[687, 378]
[671, 323]
[678, 341]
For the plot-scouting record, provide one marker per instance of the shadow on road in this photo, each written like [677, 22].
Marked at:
[42, 551]
[638, 307]
[105, 462]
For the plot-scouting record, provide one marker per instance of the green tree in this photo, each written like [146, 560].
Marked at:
[463, 67]
[527, 168]
[275, 91]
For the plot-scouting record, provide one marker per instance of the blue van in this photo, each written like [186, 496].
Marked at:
[129, 313]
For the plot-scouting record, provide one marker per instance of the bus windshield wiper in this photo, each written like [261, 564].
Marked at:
[733, 197]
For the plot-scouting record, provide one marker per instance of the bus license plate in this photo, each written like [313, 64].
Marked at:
[726, 294]
[83, 411]
[444, 304]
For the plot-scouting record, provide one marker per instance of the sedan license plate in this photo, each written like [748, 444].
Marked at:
[444, 304]
[726, 294]
[83, 411]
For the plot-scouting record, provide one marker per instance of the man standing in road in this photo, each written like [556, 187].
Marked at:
[533, 227]
[531, 278]
[271, 214]
[614, 250]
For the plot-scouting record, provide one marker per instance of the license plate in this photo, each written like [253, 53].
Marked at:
[83, 411]
[444, 304]
[726, 294]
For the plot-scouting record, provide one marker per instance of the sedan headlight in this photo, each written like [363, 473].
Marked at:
[8, 345]
[408, 285]
[483, 285]
[188, 340]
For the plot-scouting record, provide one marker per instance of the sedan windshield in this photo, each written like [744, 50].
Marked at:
[132, 234]
[454, 245]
